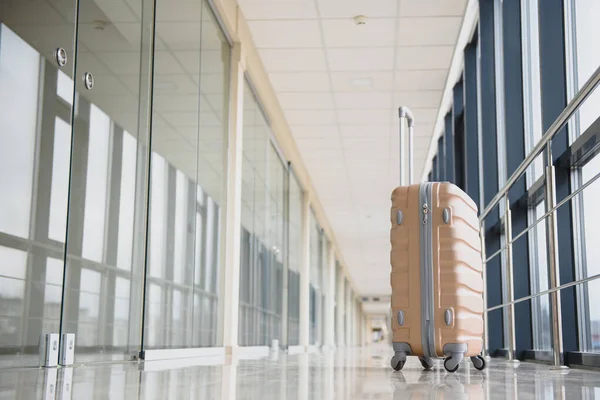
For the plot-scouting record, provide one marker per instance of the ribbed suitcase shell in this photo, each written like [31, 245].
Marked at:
[457, 267]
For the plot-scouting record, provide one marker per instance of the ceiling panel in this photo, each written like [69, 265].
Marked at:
[429, 8]
[306, 101]
[351, 8]
[315, 131]
[300, 81]
[290, 33]
[368, 130]
[322, 143]
[280, 10]
[424, 57]
[364, 117]
[423, 98]
[428, 31]
[345, 32]
[364, 81]
[425, 115]
[310, 117]
[293, 60]
[360, 59]
[363, 101]
[420, 80]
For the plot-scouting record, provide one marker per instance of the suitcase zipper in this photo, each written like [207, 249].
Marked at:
[427, 312]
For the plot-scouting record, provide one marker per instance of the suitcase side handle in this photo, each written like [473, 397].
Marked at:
[405, 113]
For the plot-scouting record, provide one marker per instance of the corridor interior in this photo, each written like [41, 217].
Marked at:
[195, 194]
[345, 374]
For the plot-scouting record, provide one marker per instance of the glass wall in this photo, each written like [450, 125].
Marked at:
[520, 93]
[591, 251]
[36, 96]
[77, 144]
[324, 284]
[189, 126]
[316, 281]
[113, 127]
[296, 201]
[585, 60]
[540, 306]
[263, 220]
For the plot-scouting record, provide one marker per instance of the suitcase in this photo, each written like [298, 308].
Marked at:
[436, 271]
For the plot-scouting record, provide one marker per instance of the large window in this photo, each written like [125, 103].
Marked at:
[316, 281]
[592, 252]
[263, 220]
[540, 306]
[582, 29]
[296, 200]
[187, 172]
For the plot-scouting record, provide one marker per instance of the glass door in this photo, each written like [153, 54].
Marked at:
[36, 96]
[102, 294]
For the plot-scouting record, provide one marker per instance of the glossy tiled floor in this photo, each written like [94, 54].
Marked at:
[345, 374]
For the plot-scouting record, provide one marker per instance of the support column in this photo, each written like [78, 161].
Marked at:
[363, 329]
[330, 300]
[348, 314]
[305, 276]
[230, 250]
[349, 317]
[341, 307]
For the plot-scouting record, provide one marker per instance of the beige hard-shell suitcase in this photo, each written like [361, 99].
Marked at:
[436, 277]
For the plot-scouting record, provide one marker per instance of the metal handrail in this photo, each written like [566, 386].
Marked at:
[545, 292]
[558, 124]
[551, 226]
[546, 215]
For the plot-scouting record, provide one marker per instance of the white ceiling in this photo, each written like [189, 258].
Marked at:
[340, 85]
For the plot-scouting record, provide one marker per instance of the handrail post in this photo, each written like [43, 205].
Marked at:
[552, 234]
[509, 281]
[485, 350]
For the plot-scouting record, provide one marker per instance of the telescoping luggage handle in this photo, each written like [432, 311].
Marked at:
[405, 113]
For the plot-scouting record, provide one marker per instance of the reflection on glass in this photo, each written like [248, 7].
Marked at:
[591, 216]
[540, 306]
[296, 201]
[102, 290]
[34, 161]
[96, 185]
[587, 59]
[158, 194]
[100, 157]
[187, 172]
[127, 203]
[261, 258]
[531, 85]
[19, 69]
[59, 190]
[316, 280]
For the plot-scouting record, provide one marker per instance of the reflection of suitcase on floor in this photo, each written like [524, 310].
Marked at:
[437, 284]
[431, 386]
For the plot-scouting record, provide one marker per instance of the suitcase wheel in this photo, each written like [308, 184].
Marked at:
[398, 362]
[451, 364]
[478, 362]
[426, 362]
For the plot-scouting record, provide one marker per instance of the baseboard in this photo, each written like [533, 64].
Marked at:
[170, 354]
